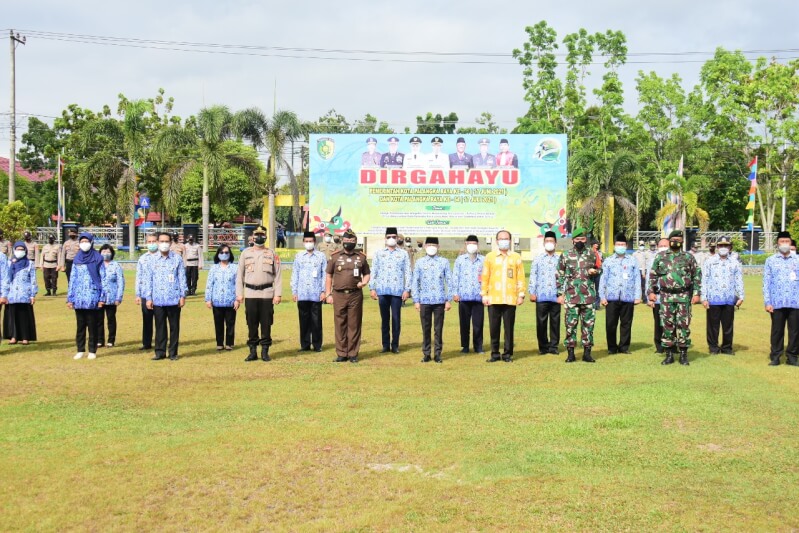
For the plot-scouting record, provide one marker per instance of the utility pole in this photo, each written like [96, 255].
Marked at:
[12, 159]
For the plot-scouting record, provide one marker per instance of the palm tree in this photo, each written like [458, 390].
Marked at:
[202, 141]
[602, 182]
[686, 206]
[111, 174]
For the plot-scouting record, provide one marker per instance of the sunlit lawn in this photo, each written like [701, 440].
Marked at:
[390, 444]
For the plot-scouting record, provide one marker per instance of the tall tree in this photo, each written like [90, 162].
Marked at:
[437, 123]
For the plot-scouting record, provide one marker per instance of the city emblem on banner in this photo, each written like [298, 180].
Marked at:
[325, 147]
[548, 150]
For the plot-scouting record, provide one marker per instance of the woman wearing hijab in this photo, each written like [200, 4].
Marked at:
[114, 289]
[19, 291]
[220, 296]
[85, 294]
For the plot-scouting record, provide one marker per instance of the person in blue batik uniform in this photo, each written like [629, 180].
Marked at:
[781, 298]
[147, 315]
[431, 288]
[619, 292]
[543, 289]
[19, 289]
[114, 289]
[165, 293]
[722, 292]
[466, 291]
[86, 294]
[390, 285]
[308, 290]
[220, 297]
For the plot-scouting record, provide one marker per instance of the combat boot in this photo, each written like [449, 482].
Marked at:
[265, 354]
[253, 355]
[669, 356]
[570, 355]
[775, 360]
[587, 355]
[684, 356]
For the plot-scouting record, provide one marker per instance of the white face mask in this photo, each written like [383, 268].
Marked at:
[19, 254]
[163, 246]
[308, 246]
[549, 246]
[641, 248]
[471, 248]
[662, 248]
[391, 242]
[85, 246]
[724, 251]
[503, 244]
[784, 248]
[431, 250]
[328, 238]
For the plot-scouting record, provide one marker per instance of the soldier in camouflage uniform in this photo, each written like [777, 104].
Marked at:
[577, 271]
[677, 278]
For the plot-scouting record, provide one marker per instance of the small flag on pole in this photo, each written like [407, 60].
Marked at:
[750, 221]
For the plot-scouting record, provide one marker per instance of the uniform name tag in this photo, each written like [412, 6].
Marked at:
[315, 274]
[510, 273]
[171, 278]
[625, 276]
[355, 272]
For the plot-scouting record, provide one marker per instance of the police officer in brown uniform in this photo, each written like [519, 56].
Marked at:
[68, 252]
[193, 258]
[177, 247]
[327, 246]
[49, 259]
[32, 246]
[259, 284]
[347, 274]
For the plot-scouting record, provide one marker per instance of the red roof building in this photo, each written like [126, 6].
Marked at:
[36, 177]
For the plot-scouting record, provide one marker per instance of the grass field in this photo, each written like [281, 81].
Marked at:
[210, 443]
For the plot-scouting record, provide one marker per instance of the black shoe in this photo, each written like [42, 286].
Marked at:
[253, 355]
[714, 352]
[587, 355]
[464, 350]
[340, 359]
[319, 349]
[727, 352]
[479, 351]
[612, 352]
[385, 350]
[626, 352]
[143, 348]
[493, 359]
[426, 359]
[173, 357]
[775, 361]
[438, 359]
[669, 357]
[553, 351]
[684, 357]
[48, 292]
[158, 357]
[395, 350]
[570, 357]
[793, 360]
[354, 359]
[543, 352]
[508, 359]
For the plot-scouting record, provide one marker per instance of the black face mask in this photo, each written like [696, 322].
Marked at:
[675, 246]
[259, 240]
[349, 246]
[51, 240]
[579, 246]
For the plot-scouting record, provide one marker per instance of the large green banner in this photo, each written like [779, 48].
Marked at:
[443, 185]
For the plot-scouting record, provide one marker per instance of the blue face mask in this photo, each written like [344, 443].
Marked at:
[621, 250]
[152, 247]
[224, 257]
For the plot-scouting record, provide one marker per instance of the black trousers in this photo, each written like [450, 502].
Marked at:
[224, 325]
[723, 315]
[259, 312]
[779, 318]
[390, 307]
[658, 328]
[163, 315]
[148, 319]
[547, 312]
[192, 274]
[110, 313]
[87, 320]
[432, 316]
[68, 268]
[310, 315]
[619, 315]
[471, 313]
[501, 315]
[50, 279]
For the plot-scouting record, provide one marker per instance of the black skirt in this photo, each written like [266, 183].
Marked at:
[19, 323]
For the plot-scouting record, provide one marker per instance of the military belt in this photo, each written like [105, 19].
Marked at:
[258, 287]
[346, 291]
[676, 291]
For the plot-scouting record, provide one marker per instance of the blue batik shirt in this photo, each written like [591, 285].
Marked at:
[390, 272]
[621, 279]
[23, 287]
[114, 286]
[82, 293]
[466, 277]
[543, 278]
[165, 282]
[308, 276]
[781, 282]
[722, 281]
[432, 281]
[141, 272]
[220, 287]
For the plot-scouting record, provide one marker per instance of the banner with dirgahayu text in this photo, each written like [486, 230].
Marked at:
[442, 185]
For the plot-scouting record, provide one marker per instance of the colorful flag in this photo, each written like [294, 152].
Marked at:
[750, 221]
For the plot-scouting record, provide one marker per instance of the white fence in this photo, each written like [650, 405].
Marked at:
[114, 236]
